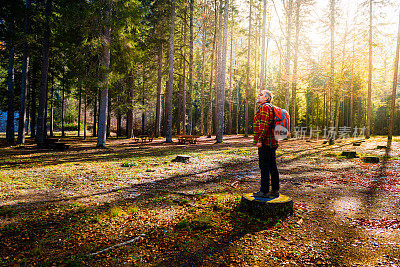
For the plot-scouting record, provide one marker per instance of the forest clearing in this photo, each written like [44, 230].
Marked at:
[132, 132]
[68, 207]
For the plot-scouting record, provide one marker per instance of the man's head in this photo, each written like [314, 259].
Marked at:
[265, 96]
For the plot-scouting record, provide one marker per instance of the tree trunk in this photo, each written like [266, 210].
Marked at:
[190, 98]
[119, 125]
[369, 108]
[102, 128]
[33, 105]
[203, 46]
[352, 87]
[95, 114]
[24, 78]
[183, 85]
[210, 109]
[109, 118]
[159, 83]
[394, 88]
[295, 58]
[262, 71]
[79, 110]
[10, 100]
[332, 87]
[129, 115]
[246, 111]
[41, 121]
[230, 87]
[287, 62]
[143, 103]
[85, 116]
[52, 108]
[168, 102]
[221, 76]
[63, 111]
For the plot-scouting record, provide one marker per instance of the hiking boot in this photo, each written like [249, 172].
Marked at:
[260, 194]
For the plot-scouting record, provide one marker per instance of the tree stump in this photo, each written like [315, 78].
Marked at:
[265, 208]
[370, 159]
[349, 154]
[182, 158]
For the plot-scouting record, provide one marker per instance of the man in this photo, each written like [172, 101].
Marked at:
[265, 140]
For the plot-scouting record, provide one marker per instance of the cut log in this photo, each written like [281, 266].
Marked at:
[266, 208]
[182, 158]
[381, 147]
[357, 144]
[349, 154]
[370, 159]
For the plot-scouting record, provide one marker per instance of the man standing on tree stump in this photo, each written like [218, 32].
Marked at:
[267, 144]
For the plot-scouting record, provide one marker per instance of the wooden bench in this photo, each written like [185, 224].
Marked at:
[187, 138]
[146, 138]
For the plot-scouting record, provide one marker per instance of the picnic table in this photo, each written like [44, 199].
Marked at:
[187, 138]
[146, 138]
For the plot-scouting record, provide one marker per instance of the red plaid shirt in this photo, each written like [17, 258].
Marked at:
[263, 132]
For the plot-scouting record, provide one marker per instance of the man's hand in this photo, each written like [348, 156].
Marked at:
[259, 145]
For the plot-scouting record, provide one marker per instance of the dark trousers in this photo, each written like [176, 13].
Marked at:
[267, 163]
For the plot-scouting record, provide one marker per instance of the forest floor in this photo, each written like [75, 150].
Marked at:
[129, 204]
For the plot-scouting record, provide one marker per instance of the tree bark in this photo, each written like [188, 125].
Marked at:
[24, 78]
[85, 116]
[295, 58]
[159, 83]
[332, 87]
[79, 110]
[246, 111]
[63, 111]
[262, 71]
[230, 87]
[95, 114]
[221, 76]
[190, 98]
[52, 108]
[394, 88]
[210, 109]
[287, 62]
[369, 108]
[41, 120]
[129, 115]
[103, 111]
[10, 76]
[168, 102]
[203, 46]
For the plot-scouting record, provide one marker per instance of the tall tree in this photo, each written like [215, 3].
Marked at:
[10, 109]
[264, 25]
[246, 111]
[203, 81]
[369, 108]
[332, 78]
[102, 128]
[394, 89]
[190, 98]
[295, 59]
[221, 75]
[212, 76]
[159, 83]
[289, 11]
[41, 120]
[24, 77]
[168, 100]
